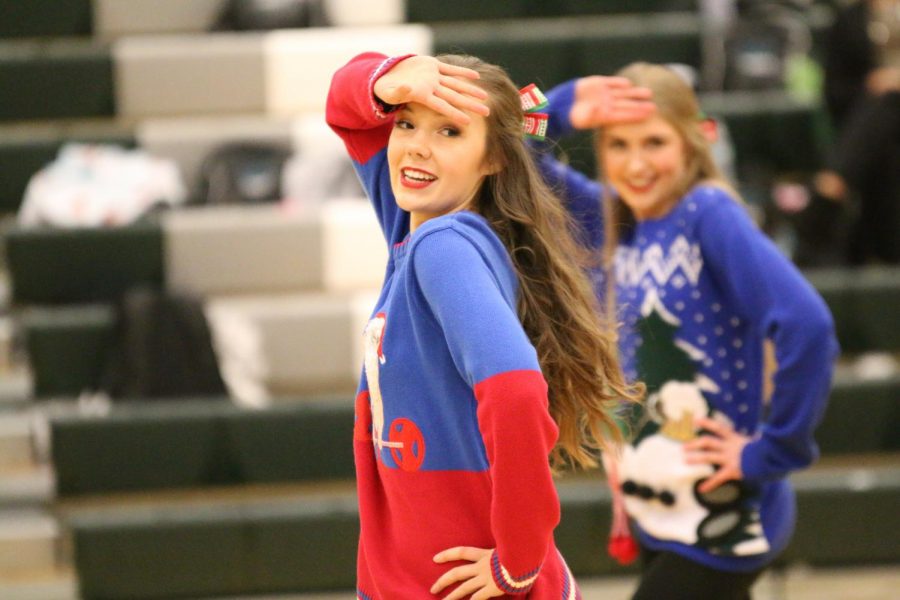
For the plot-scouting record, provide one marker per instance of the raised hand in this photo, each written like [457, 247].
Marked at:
[723, 449]
[444, 88]
[601, 101]
[476, 577]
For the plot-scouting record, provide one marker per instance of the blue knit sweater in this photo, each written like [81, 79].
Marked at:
[699, 291]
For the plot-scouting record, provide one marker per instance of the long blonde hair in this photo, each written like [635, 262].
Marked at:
[556, 304]
[677, 103]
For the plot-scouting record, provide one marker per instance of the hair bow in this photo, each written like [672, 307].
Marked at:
[533, 100]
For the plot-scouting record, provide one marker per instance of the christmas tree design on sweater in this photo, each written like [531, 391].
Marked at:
[661, 489]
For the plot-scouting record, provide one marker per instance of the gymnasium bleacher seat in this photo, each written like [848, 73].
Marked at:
[53, 79]
[269, 547]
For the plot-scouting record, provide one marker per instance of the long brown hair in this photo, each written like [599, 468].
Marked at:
[676, 103]
[556, 304]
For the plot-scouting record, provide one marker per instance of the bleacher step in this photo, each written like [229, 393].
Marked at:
[28, 541]
[45, 584]
[309, 543]
[15, 442]
[27, 486]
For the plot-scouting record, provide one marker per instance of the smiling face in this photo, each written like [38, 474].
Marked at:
[436, 166]
[646, 164]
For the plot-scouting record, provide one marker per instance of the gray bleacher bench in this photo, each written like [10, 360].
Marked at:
[846, 517]
[182, 443]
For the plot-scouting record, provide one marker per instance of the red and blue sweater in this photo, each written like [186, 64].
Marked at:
[452, 431]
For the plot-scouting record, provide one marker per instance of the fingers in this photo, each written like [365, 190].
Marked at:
[714, 481]
[452, 98]
[457, 71]
[462, 100]
[703, 442]
[452, 576]
[634, 93]
[463, 87]
[438, 104]
[465, 589]
[468, 553]
[477, 558]
[628, 111]
[716, 427]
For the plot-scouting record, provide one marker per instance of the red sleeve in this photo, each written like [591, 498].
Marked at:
[352, 110]
[518, 435]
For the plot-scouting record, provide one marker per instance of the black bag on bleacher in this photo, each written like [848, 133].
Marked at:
[163, 349]
[261, 15]
[242, 173]
[761, 42]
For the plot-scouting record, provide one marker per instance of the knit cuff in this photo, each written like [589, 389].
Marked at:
[383, 109]
[511, 584]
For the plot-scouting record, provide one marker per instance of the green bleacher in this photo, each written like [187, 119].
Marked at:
[53, 79]
[274, 547]
[43, 18]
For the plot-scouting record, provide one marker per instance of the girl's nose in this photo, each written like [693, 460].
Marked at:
[417, 146]
[635, 163]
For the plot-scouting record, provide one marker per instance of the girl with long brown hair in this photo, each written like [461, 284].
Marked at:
[486, 360]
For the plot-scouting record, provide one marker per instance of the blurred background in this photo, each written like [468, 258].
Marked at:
[187, 264]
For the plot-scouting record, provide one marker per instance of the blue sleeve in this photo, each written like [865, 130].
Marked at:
[474, 307]
[770, 293]
[360, 120]
[581, 195]
[376, 180]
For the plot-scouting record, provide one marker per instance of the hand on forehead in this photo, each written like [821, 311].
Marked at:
[447, 89]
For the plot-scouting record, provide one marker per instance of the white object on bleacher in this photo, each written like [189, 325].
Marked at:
[320, 169]
[269, 249]
[301, 343]
[278, 72]
[99, 185]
